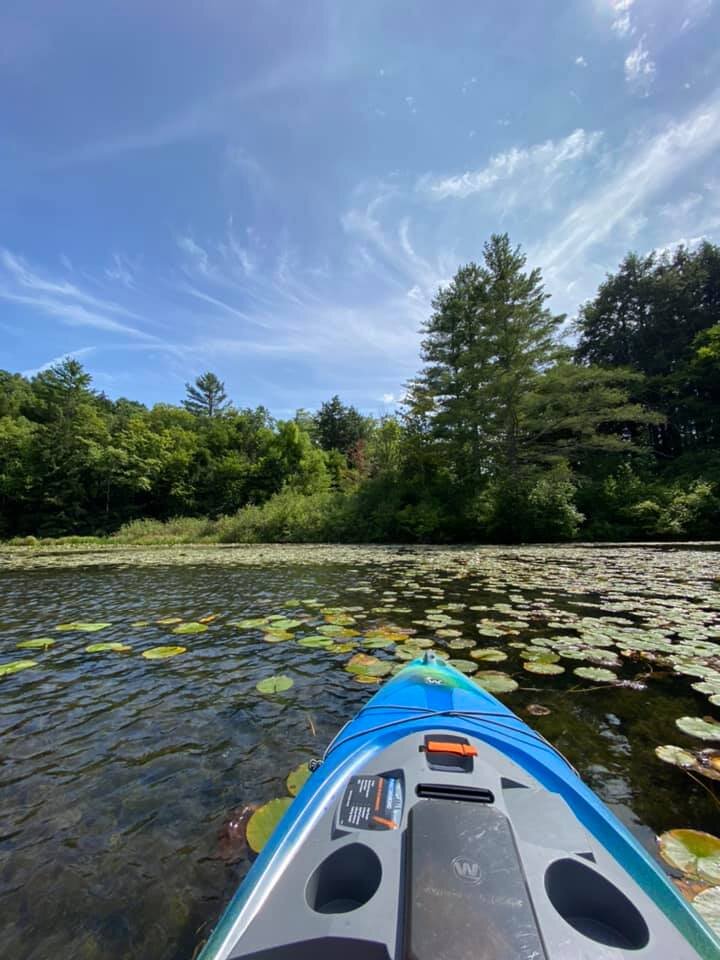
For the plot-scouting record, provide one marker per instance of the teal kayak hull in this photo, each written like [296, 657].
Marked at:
[429, 694]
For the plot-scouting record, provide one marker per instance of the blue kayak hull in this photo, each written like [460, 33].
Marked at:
[430, 694]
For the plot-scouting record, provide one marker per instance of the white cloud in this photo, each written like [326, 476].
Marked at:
[122, 270]
[22, 284]
[639, 68]
[70, 355]
[410, 101]
[622, 19]
[548, 159]
[580, 61]
[389, 398]
[622, 195]
[681, 208]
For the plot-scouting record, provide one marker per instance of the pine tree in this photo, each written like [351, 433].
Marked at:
[206, 397]
[488, 340]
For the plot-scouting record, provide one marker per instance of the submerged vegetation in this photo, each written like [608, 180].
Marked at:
[511, 431]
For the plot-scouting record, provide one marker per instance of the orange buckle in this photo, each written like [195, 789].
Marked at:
[444, 746]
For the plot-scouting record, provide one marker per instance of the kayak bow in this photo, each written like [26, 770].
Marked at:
[440, 826]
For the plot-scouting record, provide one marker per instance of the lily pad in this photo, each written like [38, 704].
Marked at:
[488, 655]
[15, 666]
[464, 666]
[262, 823]
[108, 648]
[169, 621]
[41, 643]
[692, 851]
[284, 624]
[82, 626]
[541, 667]
[254, 623]
[315, 641]
[676, 755]
[365, 665]
[276, 684]
[698, 727]
[140, 623]
[276, 636]
[296, 778]
[192, 627]
[596, 674]
[163, 653]
[707, 905]
[494, 681]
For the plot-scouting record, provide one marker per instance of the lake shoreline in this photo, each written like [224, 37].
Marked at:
[58, 555]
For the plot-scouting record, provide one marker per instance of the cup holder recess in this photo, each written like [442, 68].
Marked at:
[595, 907]
[345, 880]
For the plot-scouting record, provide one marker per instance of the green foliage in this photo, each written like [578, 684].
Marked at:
[505, 435]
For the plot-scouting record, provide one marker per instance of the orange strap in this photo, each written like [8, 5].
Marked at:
[443, 746]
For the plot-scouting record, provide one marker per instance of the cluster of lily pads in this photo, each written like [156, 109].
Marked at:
[697, 856]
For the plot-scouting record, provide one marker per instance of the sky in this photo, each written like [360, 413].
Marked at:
[275, 190]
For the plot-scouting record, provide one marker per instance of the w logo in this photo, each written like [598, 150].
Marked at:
[467, 870]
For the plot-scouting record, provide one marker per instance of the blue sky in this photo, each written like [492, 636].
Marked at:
[274, 190]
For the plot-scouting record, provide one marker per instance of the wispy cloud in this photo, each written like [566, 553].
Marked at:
[640, 68]
[550, 159]
[22, 284]
[72, 354]
[122, 270]
[638, 177]
[580, 61]
[622, 22]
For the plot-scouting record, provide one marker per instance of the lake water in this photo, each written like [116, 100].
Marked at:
[118, 772]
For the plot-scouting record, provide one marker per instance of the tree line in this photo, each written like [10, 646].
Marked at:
[518, 426]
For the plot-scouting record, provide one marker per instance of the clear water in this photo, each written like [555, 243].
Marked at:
[117, 773]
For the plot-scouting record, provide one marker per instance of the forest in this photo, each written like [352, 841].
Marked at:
[519, 426]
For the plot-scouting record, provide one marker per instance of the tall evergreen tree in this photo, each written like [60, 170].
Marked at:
[206, 397]
[486, 343]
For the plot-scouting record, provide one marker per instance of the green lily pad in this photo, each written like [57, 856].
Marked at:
[169, 621]
[284, 624]
[140, 623]
[541, 667]
[488, 655]
[693, 852]
[494, 681]
[15, 666]
[163, 653]
[82, 627]
[315, 641]
[697, 727]
[296, 778]
[676, 755]
[363, 664]
[185, 628]
[253, 623]
[272, 636]
[596, 674]
[341, 647]
[263, 822]
[464, 666]
[707, 905]
[377, 643]
[276, 684]
[108, 648]
[41, 643]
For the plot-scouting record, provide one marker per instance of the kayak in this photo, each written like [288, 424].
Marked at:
[440, 826]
